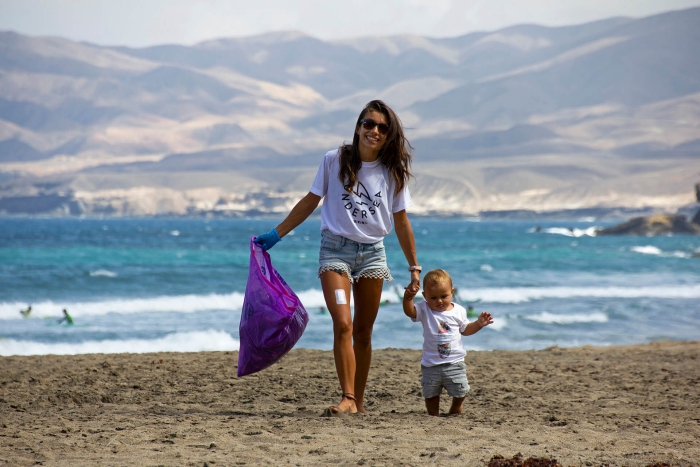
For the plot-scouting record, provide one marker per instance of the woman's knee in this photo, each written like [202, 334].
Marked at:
[362, 335]
[343, 328]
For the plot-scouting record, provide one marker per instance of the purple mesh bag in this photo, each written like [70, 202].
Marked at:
[273, 318]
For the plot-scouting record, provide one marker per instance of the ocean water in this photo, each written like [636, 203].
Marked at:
[146, 285]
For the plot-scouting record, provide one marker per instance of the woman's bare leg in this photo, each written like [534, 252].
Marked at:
[367, 295]
[342, 335]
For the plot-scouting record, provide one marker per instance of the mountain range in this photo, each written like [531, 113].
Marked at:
[598, 117]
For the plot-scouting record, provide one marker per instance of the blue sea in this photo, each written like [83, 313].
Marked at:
[149, 285]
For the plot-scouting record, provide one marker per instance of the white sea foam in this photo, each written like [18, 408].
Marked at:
[652, 250]
[176, 303]
[198, 341]
[175, 233]
[103, 273]
[551, 318]
[313, 299]
[568, 232]
[486, 268]
[499, 322]
[526, 294]
[646, 250]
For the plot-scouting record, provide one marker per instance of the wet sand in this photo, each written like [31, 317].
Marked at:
[588, 406]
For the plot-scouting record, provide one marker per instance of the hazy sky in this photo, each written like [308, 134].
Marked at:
[149, 22]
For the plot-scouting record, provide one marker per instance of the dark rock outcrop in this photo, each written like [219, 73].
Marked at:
[657, 224]
[696, 218]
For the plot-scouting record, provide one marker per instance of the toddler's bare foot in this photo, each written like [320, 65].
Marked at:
[456, 407]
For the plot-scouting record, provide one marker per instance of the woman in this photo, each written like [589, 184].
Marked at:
[365, 187]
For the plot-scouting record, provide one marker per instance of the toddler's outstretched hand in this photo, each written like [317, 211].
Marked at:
[484, 319]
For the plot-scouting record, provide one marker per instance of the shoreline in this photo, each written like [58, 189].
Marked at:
[628, 405]
[612, 213]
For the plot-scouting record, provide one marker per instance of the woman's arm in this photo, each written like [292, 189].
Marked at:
[299, 213]
[404, 232]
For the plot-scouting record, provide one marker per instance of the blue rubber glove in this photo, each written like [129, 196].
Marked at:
[268, 240]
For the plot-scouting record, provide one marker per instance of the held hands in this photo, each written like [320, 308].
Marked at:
[267, 240]
[415, 280]
[484, 319]
[411, 290]
[409, 308]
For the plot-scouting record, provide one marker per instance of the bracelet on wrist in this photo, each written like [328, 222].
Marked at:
[415, 268]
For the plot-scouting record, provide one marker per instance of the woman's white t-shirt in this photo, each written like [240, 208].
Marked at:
[442, 334]
[365, 215]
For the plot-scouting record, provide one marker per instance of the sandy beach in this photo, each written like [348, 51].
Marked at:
[587, 406]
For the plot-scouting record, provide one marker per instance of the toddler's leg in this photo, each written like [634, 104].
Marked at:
[433, 406]
[456, 405]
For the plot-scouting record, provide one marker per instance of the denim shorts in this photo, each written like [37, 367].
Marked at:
[451, 376]
[352, 259]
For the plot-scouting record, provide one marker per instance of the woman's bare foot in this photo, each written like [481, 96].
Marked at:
[361, 409]
[347, 405]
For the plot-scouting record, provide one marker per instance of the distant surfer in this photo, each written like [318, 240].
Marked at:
[66, 317]
[27, 312]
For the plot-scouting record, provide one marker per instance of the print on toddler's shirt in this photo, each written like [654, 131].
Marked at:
[361, 205]
[444, 350]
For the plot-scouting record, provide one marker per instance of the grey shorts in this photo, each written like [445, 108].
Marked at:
[451, 376]
[352, 259]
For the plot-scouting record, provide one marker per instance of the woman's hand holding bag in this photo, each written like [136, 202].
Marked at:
[268, 240]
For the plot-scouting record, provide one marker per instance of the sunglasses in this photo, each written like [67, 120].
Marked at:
[369, 124]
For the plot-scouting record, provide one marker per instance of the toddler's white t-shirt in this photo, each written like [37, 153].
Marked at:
[365, 215]
[442, 338]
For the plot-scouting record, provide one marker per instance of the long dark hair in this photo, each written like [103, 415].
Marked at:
[394, 154]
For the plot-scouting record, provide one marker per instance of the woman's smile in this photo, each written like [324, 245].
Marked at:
[371, 141]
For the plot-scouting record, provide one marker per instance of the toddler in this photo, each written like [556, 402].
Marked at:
[444, 324]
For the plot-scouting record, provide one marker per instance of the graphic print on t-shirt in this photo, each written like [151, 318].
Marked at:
[361, 204]
[444, 350]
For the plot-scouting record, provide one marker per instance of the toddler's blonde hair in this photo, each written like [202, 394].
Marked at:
[436, 276]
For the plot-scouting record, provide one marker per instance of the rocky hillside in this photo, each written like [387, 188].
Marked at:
[588, 118]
